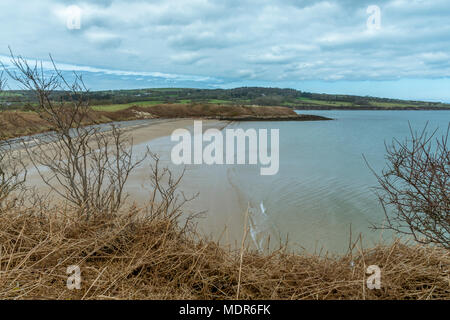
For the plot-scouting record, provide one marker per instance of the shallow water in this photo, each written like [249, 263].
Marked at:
[323, 185]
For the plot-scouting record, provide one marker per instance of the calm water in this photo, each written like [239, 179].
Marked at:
[323, 185]
[322, 188]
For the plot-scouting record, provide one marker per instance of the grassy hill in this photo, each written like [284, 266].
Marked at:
[114, 100]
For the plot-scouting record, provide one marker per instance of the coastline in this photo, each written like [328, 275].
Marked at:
[224, 212]
[16, 124]
[343, 108]
[207, 257]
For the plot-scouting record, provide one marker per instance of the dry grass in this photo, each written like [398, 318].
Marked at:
[135, 257]
[214, 111]
[18, 123]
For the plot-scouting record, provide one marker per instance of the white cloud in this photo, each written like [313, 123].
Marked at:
[254, 39]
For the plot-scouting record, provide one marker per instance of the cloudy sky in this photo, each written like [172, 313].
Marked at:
[318, 46]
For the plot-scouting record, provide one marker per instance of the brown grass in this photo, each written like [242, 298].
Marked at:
[136, 257]
[214, 111]
[16, 124]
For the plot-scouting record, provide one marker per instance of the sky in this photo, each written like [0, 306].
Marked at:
[385, 48]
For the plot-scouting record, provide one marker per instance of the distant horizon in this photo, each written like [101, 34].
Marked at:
[395, 49]
[256, 86]
[100, 79]
[276, 87]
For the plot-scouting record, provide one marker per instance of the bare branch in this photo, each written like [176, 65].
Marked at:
[414, 189]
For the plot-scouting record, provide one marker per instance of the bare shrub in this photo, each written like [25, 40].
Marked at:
[62, 104]
[166, 200]
[12, 172]
[85, 165]
[12, 176]
[414, 189]
[89, 169]
[2, 86]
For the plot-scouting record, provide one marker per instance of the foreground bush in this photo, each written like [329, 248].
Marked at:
[414, 189]
[134, 256]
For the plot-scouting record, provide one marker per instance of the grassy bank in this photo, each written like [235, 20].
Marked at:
[223, 112]
[19, 123]
[132, 257]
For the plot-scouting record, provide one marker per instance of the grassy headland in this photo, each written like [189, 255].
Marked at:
[20, 123]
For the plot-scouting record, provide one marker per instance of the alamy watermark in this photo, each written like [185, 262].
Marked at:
[73, 17]
[374, 21]
[231, 149]
[374, 281]
[74, 279]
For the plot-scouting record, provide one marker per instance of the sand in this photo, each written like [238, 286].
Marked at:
[223, 209]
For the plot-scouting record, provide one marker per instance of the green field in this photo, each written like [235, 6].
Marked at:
[9, 94]
[118, 107]
[116, 100]
[219, 101]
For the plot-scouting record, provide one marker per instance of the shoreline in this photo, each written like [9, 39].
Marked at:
[326, 108]
[223, 208]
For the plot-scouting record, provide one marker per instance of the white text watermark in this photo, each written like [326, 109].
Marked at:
[74, 279]
[374, 20]
[233, 149]
[374, 280]
[73, 18]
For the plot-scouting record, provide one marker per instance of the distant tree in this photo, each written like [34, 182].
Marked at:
[362, 102]
[269, 100]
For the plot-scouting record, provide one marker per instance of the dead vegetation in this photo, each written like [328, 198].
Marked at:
[414, 189]
[12, 176]
[141, 256]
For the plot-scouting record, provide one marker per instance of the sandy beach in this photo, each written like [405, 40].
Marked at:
[223, 211]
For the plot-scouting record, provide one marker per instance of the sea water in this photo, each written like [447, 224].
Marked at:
[323, 191]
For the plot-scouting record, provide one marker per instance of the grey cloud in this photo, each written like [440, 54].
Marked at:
[262, 40]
